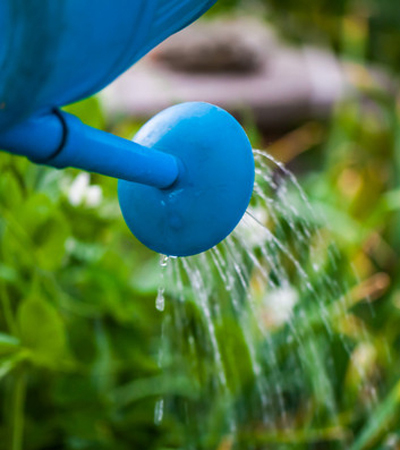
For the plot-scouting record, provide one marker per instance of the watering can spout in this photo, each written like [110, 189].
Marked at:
[61, 140]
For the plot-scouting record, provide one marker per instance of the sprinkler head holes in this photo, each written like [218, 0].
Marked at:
[212, 190]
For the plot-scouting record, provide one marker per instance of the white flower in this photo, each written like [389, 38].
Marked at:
[94, 196]
[80, 192]
[278, 306]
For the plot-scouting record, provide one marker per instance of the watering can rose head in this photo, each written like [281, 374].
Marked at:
[213, 187]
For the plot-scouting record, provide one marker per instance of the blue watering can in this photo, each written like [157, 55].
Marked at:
[186, 179]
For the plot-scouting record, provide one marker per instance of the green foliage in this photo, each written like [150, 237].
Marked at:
[77, 313]
[352, 177]
[368, 29]
[80, 336]
[42, 332]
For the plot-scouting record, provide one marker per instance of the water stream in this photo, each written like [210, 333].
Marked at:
[258, 328]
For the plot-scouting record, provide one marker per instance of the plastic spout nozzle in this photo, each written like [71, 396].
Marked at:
[61, 140]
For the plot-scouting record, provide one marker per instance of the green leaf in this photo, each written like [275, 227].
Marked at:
[8, 344]
[42, 331]
[8, 273]
[140, 389]
[384, 414]
[7, 365]
[89, 111]
[37, 232]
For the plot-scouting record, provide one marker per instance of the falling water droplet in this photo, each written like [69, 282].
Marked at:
[159, 412]
[160, 300]
[164, 261]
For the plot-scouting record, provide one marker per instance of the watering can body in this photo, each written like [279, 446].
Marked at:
[56, 52]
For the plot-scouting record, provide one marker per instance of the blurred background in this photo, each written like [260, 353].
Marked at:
[315, 84]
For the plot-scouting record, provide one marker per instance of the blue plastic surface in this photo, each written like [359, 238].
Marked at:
[61, 140]
[100, 152]
[5, 24]
[54, 52]
[37, 138]
[213, 189]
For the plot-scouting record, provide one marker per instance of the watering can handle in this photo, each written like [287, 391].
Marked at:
[61, 140]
